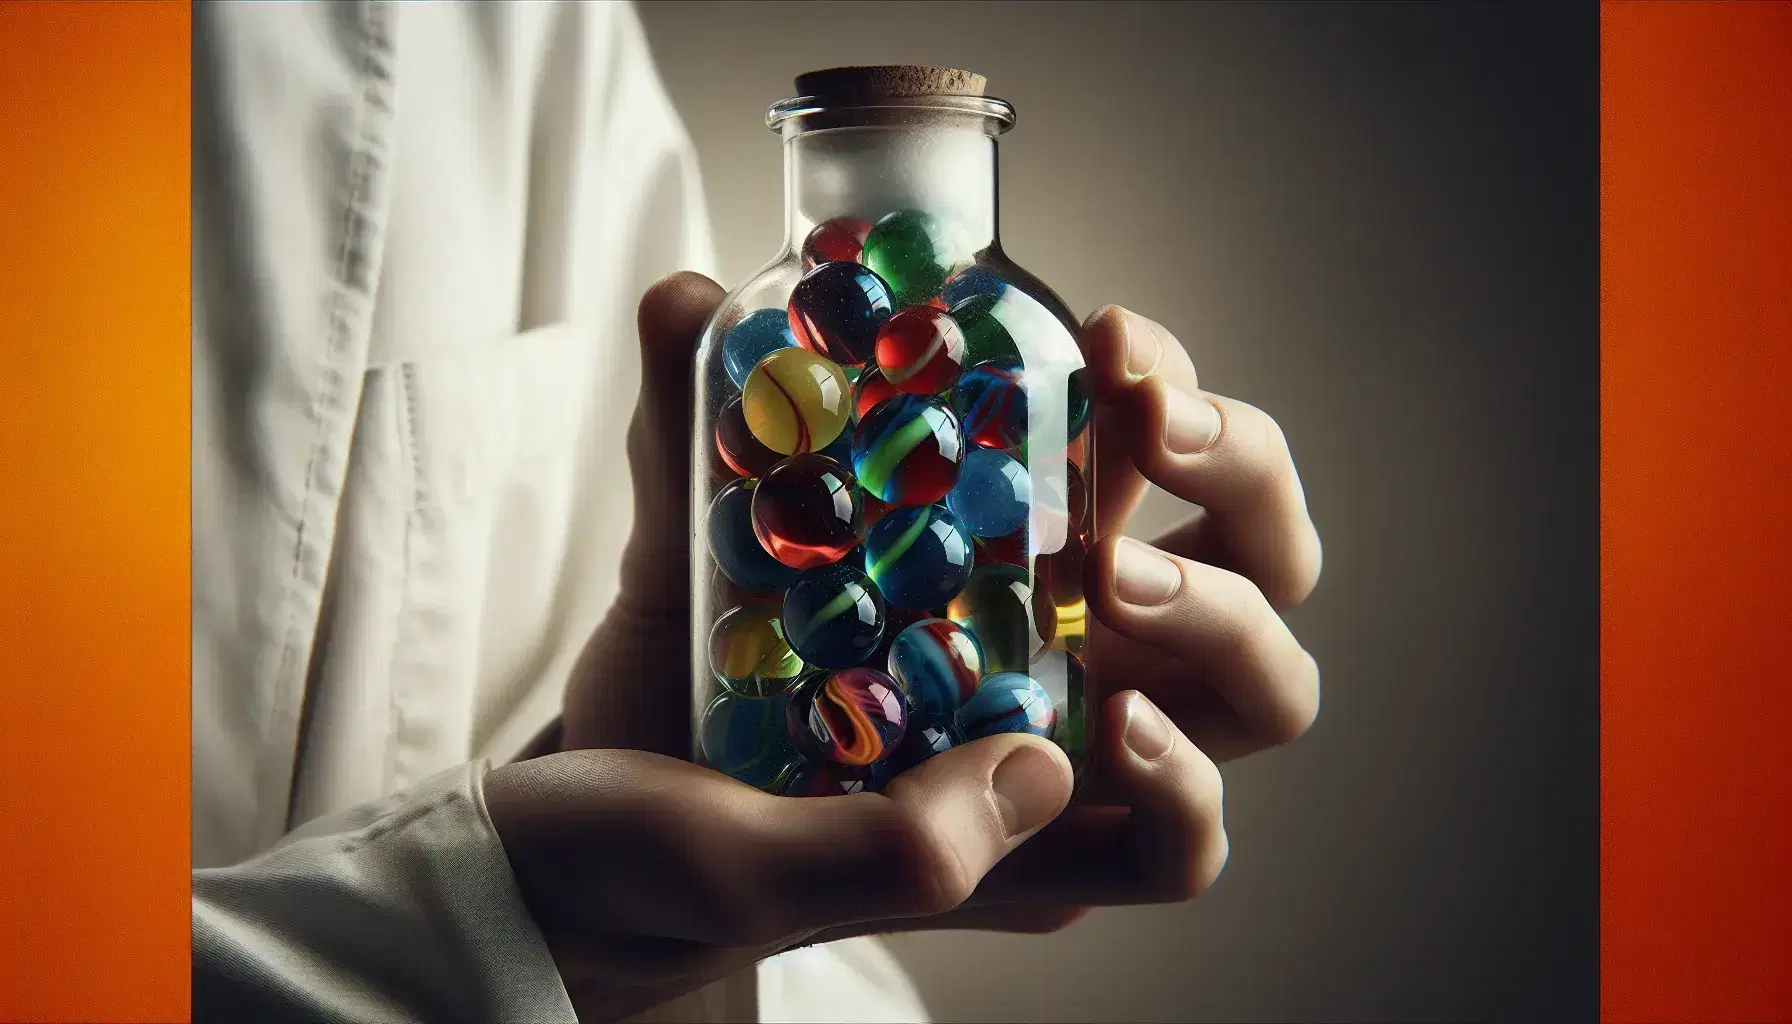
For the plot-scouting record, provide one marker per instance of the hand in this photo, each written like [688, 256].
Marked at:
[1191, 618]
[632, 685]
[651, 877]
[1187, 623]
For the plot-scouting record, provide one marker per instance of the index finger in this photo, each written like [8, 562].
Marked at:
[1230, 458]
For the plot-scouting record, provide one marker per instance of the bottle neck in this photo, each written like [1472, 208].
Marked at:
[871, 171]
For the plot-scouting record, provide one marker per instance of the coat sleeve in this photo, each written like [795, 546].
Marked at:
[404, 910]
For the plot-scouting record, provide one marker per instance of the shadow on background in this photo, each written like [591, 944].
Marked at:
[1380, 224]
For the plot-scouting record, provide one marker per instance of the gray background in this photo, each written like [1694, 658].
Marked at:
[1380, 224]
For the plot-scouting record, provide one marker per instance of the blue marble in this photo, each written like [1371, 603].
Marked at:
[938, 664]
[758, 335]
[993, 495]
[992, 403]
[748, 739]
[972, 281]
[1007, 702]
[918, 556]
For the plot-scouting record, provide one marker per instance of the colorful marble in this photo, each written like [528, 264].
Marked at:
[937, 663]
[907, 450]
[1007, 702]
[918, 556]
[992, 404]
[920, 350]
[972, 280]
[836, 309]
[738, 448]
[840, 240]
[759, 334]
[914, 252]
[806, 511]
[809, 777]
[1011, 619]
[796, 401]
[834, 616]
[986, 337]
[853, 717]
[994, 494]
[871, 390]
[923, 739]
[749, 655]
[748, 739]
[736, 548]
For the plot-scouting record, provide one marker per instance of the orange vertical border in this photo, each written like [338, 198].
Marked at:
[94, 494]
[1696, 511]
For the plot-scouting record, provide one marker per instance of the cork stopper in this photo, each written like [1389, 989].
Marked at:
[887, 81]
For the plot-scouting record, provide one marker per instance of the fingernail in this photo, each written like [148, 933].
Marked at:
[1144, 345]
[1144, 577]
[1191, 423]
[1147, 730]
[1028, 790]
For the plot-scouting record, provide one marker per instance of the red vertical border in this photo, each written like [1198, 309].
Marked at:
[94, 493]
[1696, 511]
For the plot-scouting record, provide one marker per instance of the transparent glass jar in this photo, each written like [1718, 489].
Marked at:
[892, 488]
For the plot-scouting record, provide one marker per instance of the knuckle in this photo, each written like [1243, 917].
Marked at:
[1254, 640]
[1297, 703]
[1259, 432]
[1296, 571]
[1202, 846]
[1265, 463]
[1207, 858]
[1241, 617]
[1212, 862]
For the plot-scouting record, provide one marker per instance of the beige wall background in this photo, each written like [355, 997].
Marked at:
[1380, 224]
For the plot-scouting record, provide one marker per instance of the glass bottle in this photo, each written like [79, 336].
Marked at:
[892, 482]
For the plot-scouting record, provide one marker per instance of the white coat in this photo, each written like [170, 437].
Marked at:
[419, 235]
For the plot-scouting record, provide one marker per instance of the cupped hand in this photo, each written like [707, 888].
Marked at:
[651, 877]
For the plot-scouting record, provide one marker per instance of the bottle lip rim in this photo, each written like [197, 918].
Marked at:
[998, 110]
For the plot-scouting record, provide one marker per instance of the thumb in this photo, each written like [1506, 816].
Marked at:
[689, 854]
[918, 848]
[670, 320]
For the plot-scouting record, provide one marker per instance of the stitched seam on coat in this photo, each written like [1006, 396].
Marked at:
[408, 436]
[355, 273]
